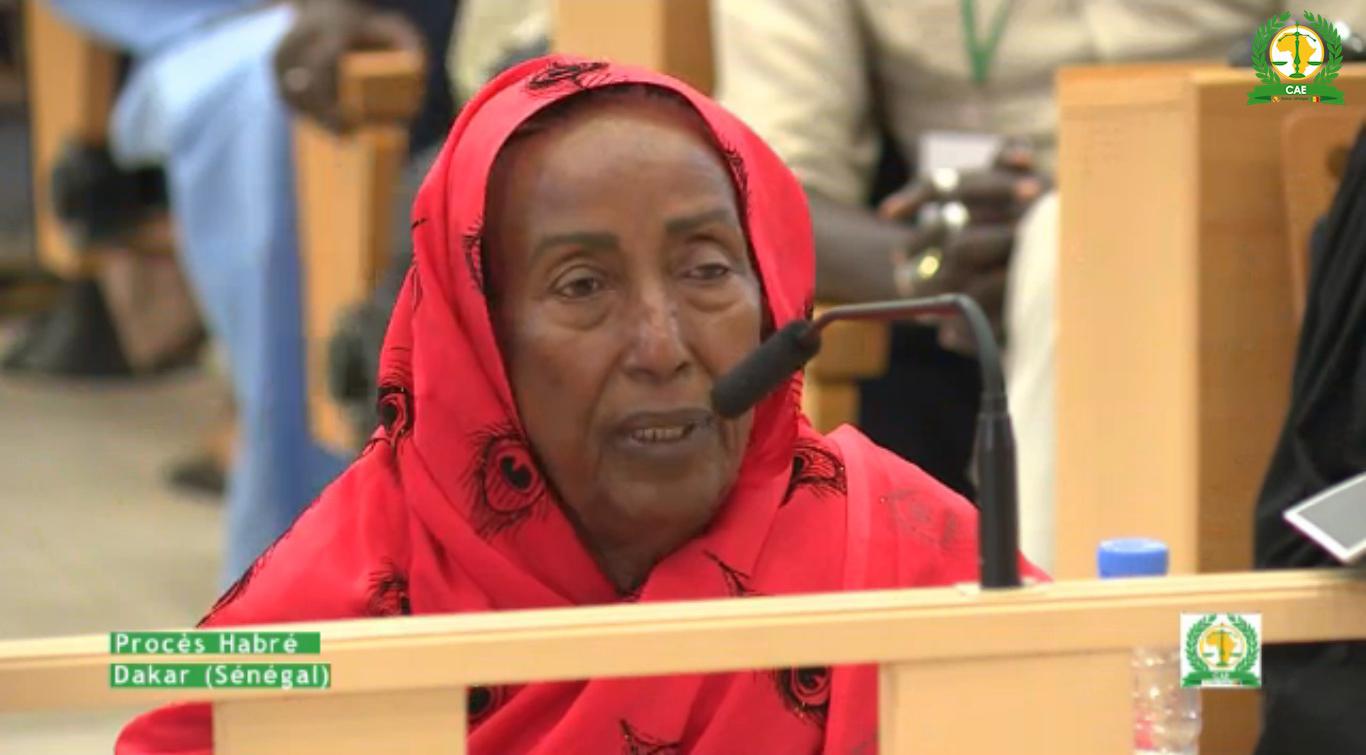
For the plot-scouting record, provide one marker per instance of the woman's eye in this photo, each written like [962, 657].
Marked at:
[710, 271]
[579, 286]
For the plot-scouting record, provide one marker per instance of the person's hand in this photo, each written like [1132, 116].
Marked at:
[307, 62]
[965, 247]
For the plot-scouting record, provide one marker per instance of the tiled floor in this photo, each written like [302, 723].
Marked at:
[90, 538]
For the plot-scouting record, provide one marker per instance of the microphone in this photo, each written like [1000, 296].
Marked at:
[787, 350]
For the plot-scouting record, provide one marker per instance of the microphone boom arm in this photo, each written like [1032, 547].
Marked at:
[796, 343]
[959, 305]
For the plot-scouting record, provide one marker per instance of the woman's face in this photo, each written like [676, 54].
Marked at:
[622, 290]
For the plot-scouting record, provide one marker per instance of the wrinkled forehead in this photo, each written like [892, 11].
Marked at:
[578, 119]
[773, 213]
[593, 124]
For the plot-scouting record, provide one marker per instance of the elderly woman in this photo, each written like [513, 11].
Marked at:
[595, 246]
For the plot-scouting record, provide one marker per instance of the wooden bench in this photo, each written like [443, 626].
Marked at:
[1046, 666]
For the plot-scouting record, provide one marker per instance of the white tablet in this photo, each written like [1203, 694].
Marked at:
[1335, 519]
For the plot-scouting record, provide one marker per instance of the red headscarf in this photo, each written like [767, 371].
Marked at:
[446, 511]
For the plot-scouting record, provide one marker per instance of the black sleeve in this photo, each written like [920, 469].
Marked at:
[1314, 693]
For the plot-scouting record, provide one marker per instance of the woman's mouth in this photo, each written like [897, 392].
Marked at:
[666, 434]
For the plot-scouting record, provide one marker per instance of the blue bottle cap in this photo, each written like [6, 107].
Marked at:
[1132, 557]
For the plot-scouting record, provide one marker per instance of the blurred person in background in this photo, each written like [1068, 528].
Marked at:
[963, 89]
[201, 101]
[489, 37]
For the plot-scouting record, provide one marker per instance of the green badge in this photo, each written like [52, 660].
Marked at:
[1221, 650]
[1296, 61]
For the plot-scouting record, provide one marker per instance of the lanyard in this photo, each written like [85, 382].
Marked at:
[981, 52]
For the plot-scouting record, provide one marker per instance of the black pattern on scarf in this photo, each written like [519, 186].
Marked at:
[396, 410]
[482, 702]
[559, 75]
[805, 692]
[816, 467]
[388, 592]
[737, 582]
[472, 243]
[505, 482]
[736, 161]
[636, 742]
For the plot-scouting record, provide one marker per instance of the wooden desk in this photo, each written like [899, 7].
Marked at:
[1049, 664]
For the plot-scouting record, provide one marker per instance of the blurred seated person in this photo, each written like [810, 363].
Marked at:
[963, 90]
[595, 245]
[201, 102]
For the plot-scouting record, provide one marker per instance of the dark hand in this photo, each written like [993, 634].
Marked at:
[965, 252]
[307, 62]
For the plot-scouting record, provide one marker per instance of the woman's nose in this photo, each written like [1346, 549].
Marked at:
[657, 350]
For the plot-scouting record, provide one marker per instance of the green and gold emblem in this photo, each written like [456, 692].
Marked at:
[1221, 650]
[1296, 61]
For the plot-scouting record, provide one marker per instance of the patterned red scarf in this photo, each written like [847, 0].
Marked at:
[446, 511]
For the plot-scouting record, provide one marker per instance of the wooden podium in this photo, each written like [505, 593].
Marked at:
[1047, 666]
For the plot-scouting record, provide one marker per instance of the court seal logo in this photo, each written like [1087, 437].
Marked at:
[1221, 650]
[1296, 62]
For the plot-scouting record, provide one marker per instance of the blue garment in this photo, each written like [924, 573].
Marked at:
[140, 27]
[206, 108]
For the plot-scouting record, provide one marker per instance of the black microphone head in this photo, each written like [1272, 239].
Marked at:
[767, 367]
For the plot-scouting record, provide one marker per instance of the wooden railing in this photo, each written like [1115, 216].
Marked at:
[1047, 665]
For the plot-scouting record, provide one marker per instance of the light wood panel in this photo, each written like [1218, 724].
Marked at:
[673, 36]
[380, 87]
[1046, 705]
[416, 721]
[1125, 314]
[71, 92]
[1175, 323]
[345, 190]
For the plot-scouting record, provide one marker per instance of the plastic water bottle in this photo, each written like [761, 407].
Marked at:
[1166, 715]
